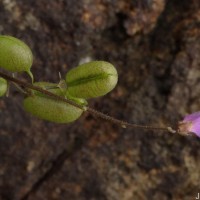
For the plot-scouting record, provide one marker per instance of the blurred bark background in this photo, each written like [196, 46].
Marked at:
[155, 46]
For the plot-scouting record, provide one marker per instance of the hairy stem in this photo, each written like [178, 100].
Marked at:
[87, 109]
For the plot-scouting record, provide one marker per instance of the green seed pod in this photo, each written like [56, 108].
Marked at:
[92, 79]
[3, 86]
[15, 55]
[50, 109]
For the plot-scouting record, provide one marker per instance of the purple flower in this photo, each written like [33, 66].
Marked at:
[190, 124]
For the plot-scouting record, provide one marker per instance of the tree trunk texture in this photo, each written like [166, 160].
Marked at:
[155, 46]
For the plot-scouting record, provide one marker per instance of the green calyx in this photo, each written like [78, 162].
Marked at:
[51, 87]
[79, 101]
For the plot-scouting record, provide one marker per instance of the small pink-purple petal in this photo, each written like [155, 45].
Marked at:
[192, 117]
[195, 127]
[190, 124]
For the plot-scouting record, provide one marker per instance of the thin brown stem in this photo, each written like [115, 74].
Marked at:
[84, 108]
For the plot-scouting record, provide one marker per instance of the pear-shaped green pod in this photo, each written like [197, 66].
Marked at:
[3, 86]
[51, 110]
[44, 107]
[92, 79]
[15, 55]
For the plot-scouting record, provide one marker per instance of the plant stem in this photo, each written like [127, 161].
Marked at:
[88, 109]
